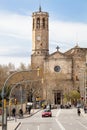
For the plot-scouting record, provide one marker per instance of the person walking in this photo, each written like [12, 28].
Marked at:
[29, 109]
[20, 112]
[78, 111]
[14, 114]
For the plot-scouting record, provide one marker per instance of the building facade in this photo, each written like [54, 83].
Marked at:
[62, 72]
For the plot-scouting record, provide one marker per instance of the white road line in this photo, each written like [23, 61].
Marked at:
[38, 127]
[58, 112]
[82, 125]
[60, 125]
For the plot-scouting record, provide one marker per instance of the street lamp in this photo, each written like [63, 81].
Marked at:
[4, 112]
[10, 99]
[4, 109]
[85, 84]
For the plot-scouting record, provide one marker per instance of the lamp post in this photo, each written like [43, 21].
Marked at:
[15, 100]
[4, 113]
[21, 91]
[85, 85]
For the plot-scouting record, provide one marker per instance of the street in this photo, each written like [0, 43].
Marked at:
[62, 119]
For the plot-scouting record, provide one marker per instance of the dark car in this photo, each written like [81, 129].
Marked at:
[47, 113]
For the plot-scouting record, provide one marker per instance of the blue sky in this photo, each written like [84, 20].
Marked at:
[67, 27]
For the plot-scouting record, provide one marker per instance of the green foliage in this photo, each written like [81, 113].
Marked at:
[72, 96]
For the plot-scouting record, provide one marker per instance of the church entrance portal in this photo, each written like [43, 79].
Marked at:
[57, 97]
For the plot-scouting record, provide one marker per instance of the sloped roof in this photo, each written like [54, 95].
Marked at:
[75, 50]
[72, 50]
[57, 54]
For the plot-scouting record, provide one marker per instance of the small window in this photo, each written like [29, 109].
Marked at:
[47, 23]
[43, 22]
[33, 23]
[41, 44]
[38, 22]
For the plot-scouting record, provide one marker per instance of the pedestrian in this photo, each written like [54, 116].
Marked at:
[13, 112]
[29, 109]
[20, 112]
[78, 111]
[50, 106]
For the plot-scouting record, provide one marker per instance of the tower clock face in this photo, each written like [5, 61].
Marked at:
[38, 38]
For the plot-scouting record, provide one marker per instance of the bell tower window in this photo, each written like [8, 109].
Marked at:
[47, 23]
[33, 23]
[43, 22]
[38, 23]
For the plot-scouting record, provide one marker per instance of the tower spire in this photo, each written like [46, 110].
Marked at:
[39, 5]
[39, 8]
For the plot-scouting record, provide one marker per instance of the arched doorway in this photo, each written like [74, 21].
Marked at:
[57, 96]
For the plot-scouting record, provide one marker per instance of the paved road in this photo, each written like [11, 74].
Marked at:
[62, 119]
[71, 121]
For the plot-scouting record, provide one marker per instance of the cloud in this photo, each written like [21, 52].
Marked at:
[68, 34]
[14, 25]
[16, 36]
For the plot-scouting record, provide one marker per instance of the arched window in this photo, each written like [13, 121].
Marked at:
[43, 22]
[47, 23]
[33, 23]
[38, 22]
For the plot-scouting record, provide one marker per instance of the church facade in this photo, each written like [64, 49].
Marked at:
[62, 72]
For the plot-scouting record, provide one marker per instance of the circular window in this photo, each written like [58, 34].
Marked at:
[57, 68]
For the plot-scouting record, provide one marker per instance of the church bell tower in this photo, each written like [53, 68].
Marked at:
[40, 38]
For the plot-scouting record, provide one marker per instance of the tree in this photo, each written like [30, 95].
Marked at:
[22, 67]
[74, 96]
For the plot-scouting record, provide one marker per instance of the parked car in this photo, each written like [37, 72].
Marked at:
[47, 113]
[79, 105]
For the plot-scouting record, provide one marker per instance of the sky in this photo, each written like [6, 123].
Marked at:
[67, 27]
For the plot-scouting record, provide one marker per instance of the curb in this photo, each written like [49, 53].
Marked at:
[17, 125]
[83, 113]
[26, 117]
[32, 114]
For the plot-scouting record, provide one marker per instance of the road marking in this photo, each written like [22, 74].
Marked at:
[38, 127]
[60, 125]
[58, 112]
[82, 125]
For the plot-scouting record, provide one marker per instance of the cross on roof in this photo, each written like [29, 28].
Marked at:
[57, 48]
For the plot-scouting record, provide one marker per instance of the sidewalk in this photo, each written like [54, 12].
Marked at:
[83, 113]
[13, 124]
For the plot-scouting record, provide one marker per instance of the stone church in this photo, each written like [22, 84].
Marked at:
[62, 72]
